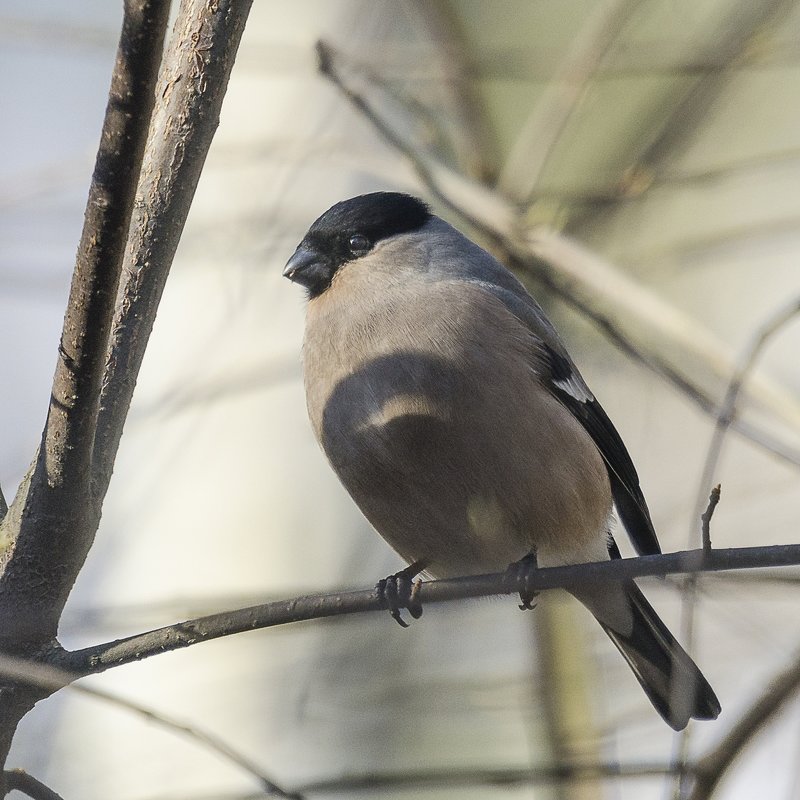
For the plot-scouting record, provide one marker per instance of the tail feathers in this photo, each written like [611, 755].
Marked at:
[669, 677]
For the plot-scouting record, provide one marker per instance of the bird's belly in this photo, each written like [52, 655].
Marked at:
[428, 454]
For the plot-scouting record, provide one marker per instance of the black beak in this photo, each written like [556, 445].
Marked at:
[310, 269]
[301, 262]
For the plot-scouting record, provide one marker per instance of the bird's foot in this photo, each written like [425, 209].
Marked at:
[518, 579]
[401, 591]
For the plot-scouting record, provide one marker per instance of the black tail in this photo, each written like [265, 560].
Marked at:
[670, 678]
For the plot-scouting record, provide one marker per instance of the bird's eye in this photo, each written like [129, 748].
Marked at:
[358, 244]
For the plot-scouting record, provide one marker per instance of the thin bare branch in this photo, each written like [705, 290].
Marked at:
[659, 365]
[99, 658]
[21, 781]
[50, 679]
[643, 317]
[488, 777]
[728, 409]
[711, 768]
[743, 23]
[238, 381]
[705, 517]
[196, 734]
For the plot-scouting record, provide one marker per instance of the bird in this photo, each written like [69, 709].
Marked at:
[452, 413]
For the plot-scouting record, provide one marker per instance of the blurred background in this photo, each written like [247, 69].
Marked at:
[661, 137]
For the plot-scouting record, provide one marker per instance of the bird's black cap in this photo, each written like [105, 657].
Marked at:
[349, 230]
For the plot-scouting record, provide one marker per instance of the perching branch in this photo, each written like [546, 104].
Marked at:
[99, 658]
[60, 668]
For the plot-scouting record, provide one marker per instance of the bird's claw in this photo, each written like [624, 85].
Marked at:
[518, 579]
[401, 591]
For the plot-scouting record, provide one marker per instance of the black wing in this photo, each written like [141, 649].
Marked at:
[569, 387]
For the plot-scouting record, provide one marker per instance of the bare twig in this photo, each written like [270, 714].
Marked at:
[196, 734]
[705, 517]
[23, 782]
[642, 317]
[691, 98]
[99, 658]
[651, 358]
[689, 592]
[711, 768]
[433, 779]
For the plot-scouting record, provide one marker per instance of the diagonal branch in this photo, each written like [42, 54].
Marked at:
[191, 90]
[727, 413]
[634, 318]
[733, 42]
[69, 433]
[52, 679]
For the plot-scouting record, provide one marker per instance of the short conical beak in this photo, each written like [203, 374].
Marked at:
[301, 261]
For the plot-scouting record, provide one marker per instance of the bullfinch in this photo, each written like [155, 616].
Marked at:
[451, 411]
